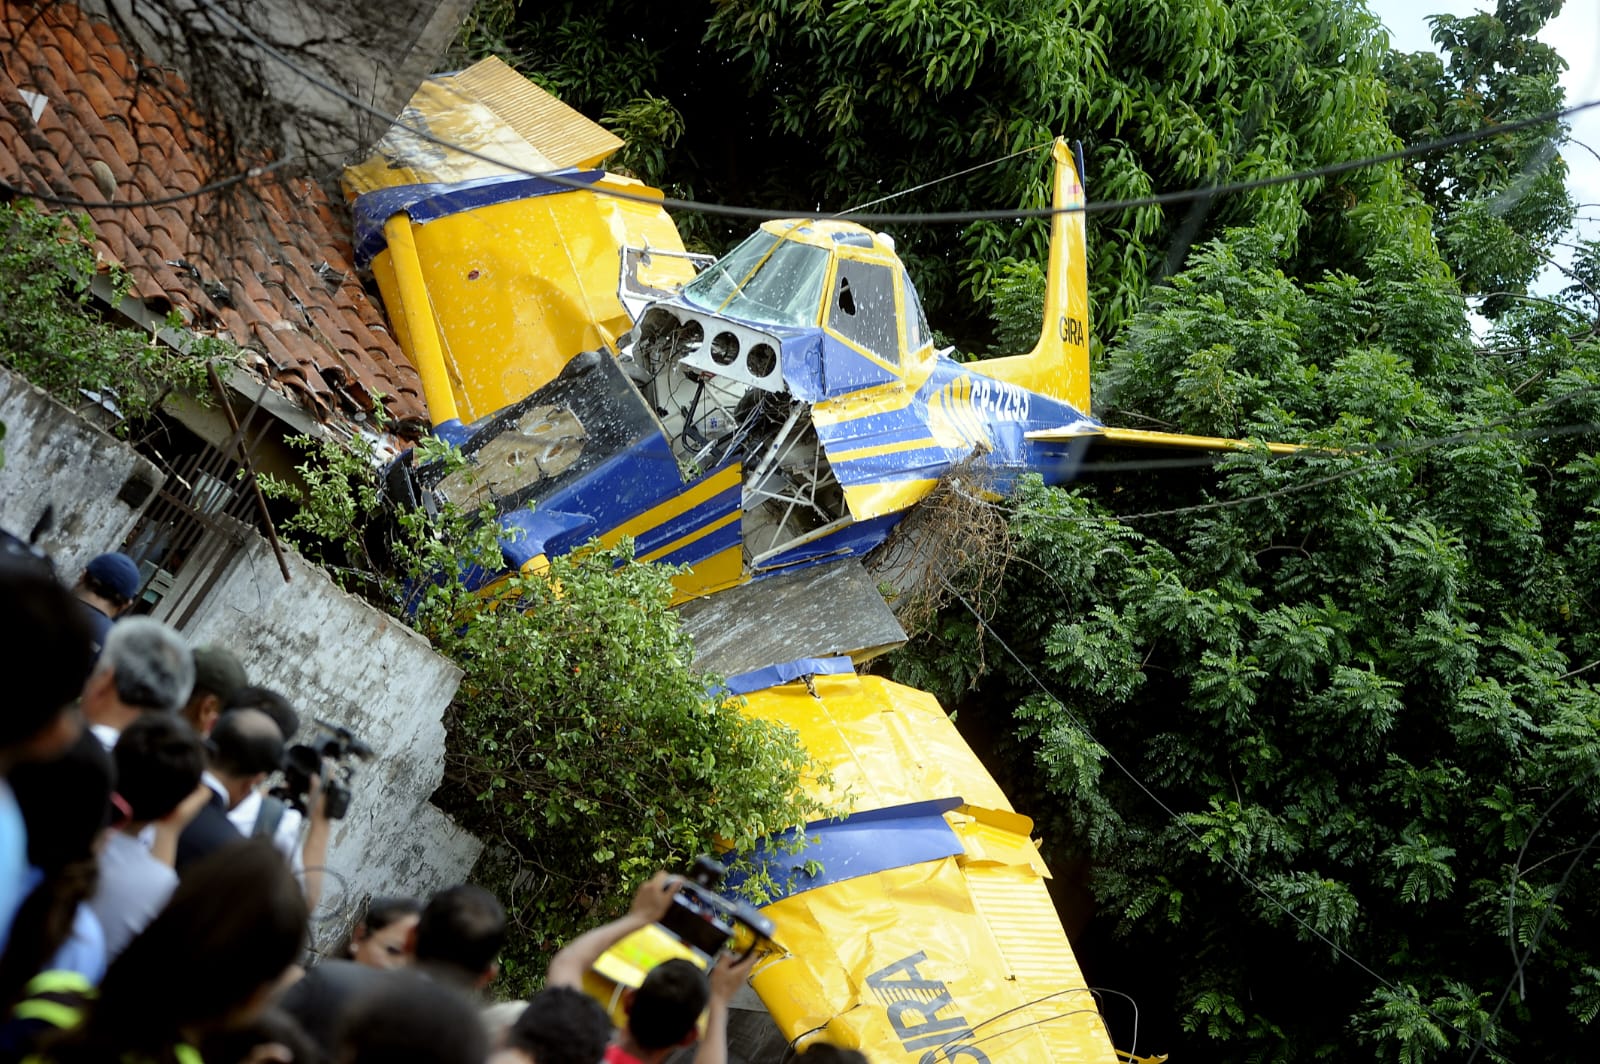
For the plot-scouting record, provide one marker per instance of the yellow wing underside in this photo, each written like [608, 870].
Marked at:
[962, 958]
[1145, 438]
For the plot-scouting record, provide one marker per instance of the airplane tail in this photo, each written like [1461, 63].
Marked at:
[1058, 365]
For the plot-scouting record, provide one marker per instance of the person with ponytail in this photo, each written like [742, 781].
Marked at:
[64, 804]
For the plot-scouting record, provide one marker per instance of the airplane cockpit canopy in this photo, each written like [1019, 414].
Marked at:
[809, 308]
[766, 279]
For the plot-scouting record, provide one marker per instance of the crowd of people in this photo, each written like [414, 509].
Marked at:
[154, 894]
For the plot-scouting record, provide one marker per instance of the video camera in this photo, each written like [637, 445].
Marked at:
[706, 921]
[304, 760]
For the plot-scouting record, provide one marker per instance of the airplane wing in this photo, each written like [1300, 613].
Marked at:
[918, 928]
[1144, 438]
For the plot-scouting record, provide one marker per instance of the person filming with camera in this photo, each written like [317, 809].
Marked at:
[663, 1011]
[246, 747]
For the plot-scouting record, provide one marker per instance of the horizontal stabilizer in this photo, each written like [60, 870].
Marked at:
[1144, 438]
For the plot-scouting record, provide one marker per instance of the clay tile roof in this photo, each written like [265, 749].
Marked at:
[327, 345]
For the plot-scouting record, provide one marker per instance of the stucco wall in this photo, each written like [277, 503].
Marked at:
[98, 484]
[378, 53]
[339, 659]
[334, 656]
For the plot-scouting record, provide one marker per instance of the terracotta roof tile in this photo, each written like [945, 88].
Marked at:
[328, 347]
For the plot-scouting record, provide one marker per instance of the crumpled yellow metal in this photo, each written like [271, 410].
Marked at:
[958, 959]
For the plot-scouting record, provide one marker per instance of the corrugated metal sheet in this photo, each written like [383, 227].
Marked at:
[558, 132]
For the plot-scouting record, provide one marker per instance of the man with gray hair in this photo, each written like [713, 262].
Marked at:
[144, 667]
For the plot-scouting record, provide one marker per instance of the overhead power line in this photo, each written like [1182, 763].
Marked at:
[1380, 455]
[240, 178]
[764, 214]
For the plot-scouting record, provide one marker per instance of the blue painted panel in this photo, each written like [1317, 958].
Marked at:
[713, 509]
[861, 845]
[896, 426]
[1058, 461]
[928, 462]
[846, 370]
[729, 535]
[619, 488]
[857, 538]
[800, 355]
[776, 675]
[626, 465]
[453, 432]
[525, 533]
[429, 202]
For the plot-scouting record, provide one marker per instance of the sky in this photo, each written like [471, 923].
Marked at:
[1575, 34]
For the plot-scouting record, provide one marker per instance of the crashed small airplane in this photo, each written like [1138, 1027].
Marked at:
[782, 408]
[754, 418]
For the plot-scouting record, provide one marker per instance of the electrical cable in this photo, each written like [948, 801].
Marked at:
[1292, 489]
[1521, 960]
[946, 177]
[914, 218]
[952, 217]
[178, 197]
[1516, 871]
[1036, 1023]
[1133, 1046]
[1400, 449]
[1178, 819]
[1538, 931]
[1093, 991]
[1001, 214]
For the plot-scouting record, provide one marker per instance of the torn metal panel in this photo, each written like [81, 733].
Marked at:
[819, 612]
[918, 927]
[510, 274]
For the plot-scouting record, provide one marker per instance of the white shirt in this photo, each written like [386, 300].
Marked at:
[107, 735]
[286, 839]
[218, 788]
[133, 888]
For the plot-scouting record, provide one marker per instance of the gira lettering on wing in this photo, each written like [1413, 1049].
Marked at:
[914, 1003]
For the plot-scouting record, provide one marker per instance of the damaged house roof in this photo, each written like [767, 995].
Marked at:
[84, 117]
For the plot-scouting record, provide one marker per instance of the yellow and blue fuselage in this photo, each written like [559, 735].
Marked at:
[890, 416]
[888, 445]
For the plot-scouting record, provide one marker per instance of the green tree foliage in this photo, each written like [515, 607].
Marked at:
[1357, 680]
[51, 332]
[581, 747]
[1499, 203]
[824, 105]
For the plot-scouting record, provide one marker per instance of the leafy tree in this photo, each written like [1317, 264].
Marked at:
[1499, 203]
[52, 333]
[1350, 688]
[1356, 682]
[801, 105]
[581, 747]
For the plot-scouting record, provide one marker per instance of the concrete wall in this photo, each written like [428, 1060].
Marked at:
[339, 659]
[98, 485]
[334, 656]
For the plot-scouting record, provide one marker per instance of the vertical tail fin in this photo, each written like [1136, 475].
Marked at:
[1058, 366]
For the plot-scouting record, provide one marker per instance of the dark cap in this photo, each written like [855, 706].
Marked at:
[116, 573]
[216, 670]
